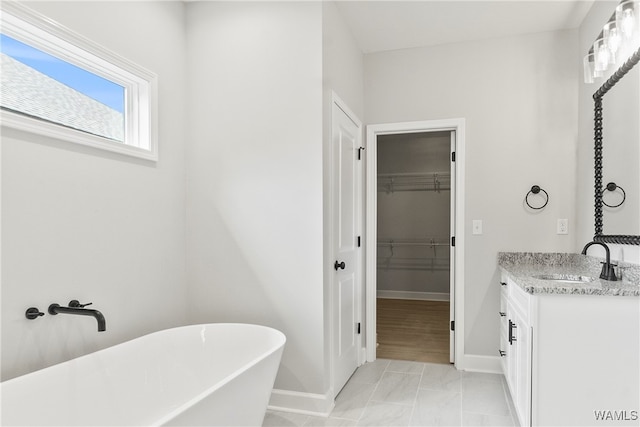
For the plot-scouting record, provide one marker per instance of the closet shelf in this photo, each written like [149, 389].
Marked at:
[429, 242]
[409, 263]
[413, 254]
[431, 181]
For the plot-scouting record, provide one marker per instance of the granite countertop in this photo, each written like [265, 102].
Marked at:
[522, 266]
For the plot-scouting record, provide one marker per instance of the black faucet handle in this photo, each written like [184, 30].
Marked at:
[611, 264]
[33, 313]
[76, 304]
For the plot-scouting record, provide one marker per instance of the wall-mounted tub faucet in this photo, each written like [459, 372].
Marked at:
[76, 308]
[608, 272]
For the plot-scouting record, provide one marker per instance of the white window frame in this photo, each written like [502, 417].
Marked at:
[140, 109]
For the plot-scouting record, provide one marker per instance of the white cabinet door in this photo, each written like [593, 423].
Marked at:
[504, 342]
[518, 352]
[512, 353]
[522, 346]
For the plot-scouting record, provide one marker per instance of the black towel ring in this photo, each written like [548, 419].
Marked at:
[612, 187]
[535, 190]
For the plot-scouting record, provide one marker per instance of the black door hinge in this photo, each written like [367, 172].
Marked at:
[453, 240]
[358, 241]
[358, 329]
[453, 325]
[359, 152]
[512, 337]
[453, 156]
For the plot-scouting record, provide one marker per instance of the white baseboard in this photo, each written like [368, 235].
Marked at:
[301, 403]
[476, 363]
[426, 296]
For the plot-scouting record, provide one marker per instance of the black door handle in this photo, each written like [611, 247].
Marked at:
[339, 265]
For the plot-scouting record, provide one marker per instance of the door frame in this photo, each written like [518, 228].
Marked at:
[371, 221]
[336, 101]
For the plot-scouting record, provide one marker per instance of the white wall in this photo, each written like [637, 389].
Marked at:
[598, 15]
[518, 96]
[342, 62]
[254, 163]
[96, 226]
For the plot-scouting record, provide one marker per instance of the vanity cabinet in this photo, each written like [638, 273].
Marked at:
[570, 359]
[516, 347]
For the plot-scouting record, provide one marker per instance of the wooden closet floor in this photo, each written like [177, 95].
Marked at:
[413, 330]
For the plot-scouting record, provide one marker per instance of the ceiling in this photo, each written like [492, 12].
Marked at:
[389, 25]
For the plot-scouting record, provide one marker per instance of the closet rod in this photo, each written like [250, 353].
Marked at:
[411, 244]
[413, 267]
[412, 264]
[431, 241]
[436, 181]
[414, 174]
[426, 260]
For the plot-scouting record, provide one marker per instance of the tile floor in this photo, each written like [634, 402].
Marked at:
[400, 393]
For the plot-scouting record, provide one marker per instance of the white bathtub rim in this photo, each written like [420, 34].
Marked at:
[139, 337]
[185, 406]
[280, 339]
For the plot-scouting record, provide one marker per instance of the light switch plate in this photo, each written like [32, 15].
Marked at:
[477, 226]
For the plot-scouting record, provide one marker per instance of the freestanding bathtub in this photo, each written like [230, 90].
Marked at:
[213, 374]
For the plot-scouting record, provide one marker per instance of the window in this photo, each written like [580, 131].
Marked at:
[59, 84]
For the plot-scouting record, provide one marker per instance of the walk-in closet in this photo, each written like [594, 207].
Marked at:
[413, 246]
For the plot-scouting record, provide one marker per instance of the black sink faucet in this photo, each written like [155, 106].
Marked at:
[608, 273]
[76, 308]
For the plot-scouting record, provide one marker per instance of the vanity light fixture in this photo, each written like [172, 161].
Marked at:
[618, 40]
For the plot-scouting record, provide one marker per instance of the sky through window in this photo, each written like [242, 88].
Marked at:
[85, 82]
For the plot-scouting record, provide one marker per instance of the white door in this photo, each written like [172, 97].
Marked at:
[346, 268]
[452, 252]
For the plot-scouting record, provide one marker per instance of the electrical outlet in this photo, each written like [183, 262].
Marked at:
[477, 226]
[563, 226]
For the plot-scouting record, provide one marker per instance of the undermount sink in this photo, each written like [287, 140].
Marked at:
[565, 278]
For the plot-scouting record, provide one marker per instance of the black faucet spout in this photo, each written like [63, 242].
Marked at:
[608, 272]
[57, 309]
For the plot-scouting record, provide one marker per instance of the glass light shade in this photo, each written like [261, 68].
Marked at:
[627, 14]
[612, 38]
[602, 55]
[589, 68]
